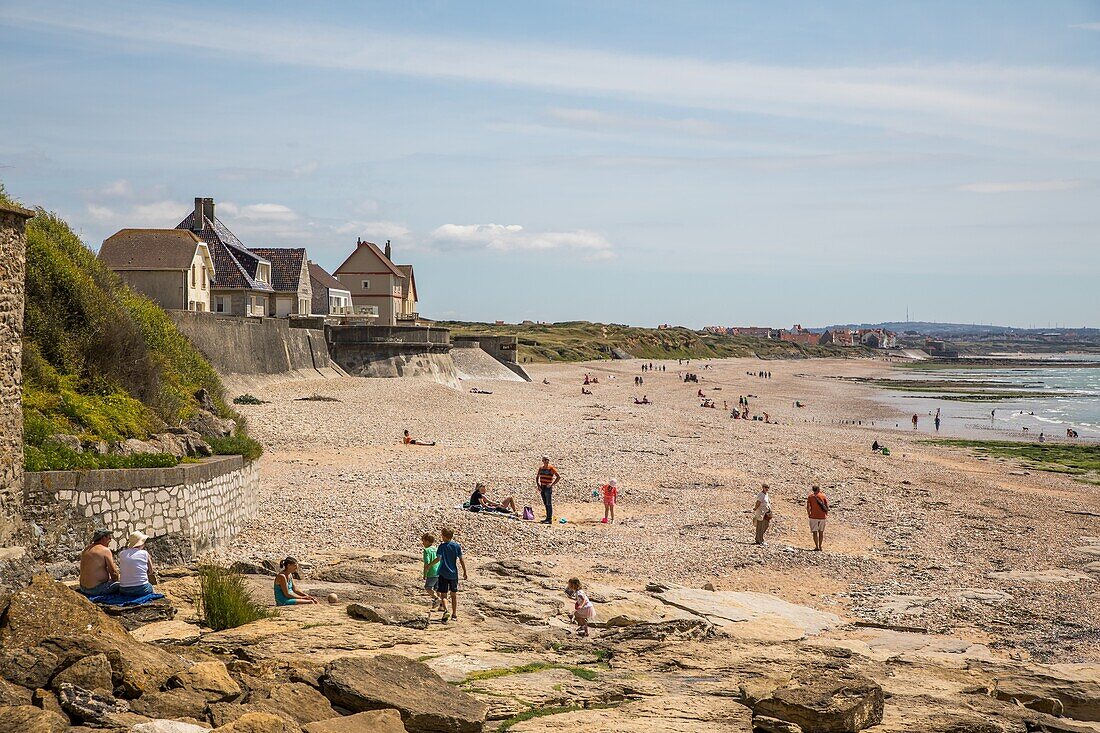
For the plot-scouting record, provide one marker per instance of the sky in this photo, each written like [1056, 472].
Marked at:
[694, 163]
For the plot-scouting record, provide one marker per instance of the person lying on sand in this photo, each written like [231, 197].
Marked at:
[480, 502]
[585, 390]
[643, 401]
[409, 440]
[477, 390]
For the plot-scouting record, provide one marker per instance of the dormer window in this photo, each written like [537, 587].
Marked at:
[263, 273]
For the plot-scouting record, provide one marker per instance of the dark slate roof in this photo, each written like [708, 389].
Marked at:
[408, 282]
[234, 264]
[149, 249]
[286, 266]
[320, 279]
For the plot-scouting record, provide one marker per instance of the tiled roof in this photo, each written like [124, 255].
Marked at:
[149, 249]
[321, 279]
[286, 266]
[408, 282]
[234, 264]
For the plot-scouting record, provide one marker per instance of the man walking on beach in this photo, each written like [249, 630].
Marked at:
[817, 508]
[762, 513]
[547, 478]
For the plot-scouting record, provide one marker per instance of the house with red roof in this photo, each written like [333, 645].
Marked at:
[378, 287]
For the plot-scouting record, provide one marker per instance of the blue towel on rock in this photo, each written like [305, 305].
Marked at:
[117, 599]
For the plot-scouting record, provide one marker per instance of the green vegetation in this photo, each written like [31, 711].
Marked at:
[543, 712]
[56, 457]
[237, 444]
[100, 361]
[489, 674]
[960, 390]
[585, 341]
[248, 399]
[1079, 460]
[224, 600]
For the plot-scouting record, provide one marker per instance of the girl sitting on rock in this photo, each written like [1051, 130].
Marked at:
[285, 595]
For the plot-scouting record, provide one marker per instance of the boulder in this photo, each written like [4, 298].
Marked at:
[29, 719]
[764, 724]
[91, 673]
[259, 723]
[371, 721]
[72, 442]
[425, 701]
[210, 678]
[298, 701]
[1069, 690]
[27, 667]
[825, 701]
[209, 425]
[66, 627]
[172, 632]
[87, 706]
[178, 703]
[46, 700]
[391, 615]
[13, 695]
[168, 726]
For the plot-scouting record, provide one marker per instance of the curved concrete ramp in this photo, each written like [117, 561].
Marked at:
[473, 364]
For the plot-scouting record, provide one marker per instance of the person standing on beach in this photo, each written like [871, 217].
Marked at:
[914, 421]
[547, 478]
[817, 508]
[762, 513]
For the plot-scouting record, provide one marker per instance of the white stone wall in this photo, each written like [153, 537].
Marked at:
[209, 507]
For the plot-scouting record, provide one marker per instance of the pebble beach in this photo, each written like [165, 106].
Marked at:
[928, 537]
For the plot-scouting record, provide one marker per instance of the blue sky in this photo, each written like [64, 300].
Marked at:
[635, 162]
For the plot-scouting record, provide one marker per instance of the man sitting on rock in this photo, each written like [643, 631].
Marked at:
[98, 572]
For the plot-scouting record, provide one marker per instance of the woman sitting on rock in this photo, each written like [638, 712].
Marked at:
[135, 567]
[285, 595]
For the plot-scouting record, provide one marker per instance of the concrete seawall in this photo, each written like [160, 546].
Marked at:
[248, 352]
[205, 502]
[393, 351]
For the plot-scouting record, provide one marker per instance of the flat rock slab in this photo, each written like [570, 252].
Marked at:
[425, 701]
[403, 614]
[667, 714]
[373, 721]
[1054, 575]
[512, 694]
[770, 614]
[1070, 690]
[458, 666]
[171, 632]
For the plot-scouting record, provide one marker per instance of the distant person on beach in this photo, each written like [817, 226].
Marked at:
[135, 567]
[609, 492]
[817, 508]
[585, 390]
[431, 571]
[583, 610]
[285, 594]
[762, 513]
[98, 572]
[914, 421]
[547, 478]
[409, 440]
[480, 502]
[875, 446]
[449, 557]
[936, 421]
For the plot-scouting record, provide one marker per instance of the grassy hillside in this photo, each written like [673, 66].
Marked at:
[99, 361]
[584, 341]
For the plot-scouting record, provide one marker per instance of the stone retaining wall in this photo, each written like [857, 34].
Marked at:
[13, 242]
[206, 502]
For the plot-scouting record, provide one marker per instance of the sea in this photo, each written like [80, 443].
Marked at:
[1069, 398]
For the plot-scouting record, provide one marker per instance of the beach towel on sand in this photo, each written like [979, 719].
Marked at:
[117, 599]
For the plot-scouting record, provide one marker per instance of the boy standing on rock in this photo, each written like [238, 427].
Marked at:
[449, 557]
[817, 507]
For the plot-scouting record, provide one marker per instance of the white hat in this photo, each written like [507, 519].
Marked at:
[546, 458]
[613, 482]
[136, 538]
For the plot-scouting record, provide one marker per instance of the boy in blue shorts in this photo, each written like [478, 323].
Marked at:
[449, 557]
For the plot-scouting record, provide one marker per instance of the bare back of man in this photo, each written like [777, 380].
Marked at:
[97, 567]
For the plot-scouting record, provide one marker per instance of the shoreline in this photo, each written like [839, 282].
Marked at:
[927, 522]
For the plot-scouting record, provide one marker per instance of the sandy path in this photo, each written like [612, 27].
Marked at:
[910, 539]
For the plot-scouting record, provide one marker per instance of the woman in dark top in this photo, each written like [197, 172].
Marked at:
[479, 502]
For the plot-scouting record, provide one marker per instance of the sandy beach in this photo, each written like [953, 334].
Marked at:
[928, 537]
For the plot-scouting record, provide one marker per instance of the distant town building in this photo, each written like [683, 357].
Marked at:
[242, 286]
[837, 337]
[378, 286]
[171, 267]
[877, 338]
[290, 279]
[330, 297]
[799, 336]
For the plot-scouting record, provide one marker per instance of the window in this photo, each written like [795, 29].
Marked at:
[219, 304]
[192, 274]
[204, 277]
[263, 273]
[366, 285]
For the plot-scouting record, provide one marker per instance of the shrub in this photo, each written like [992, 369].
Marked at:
[224, 600]
[248, 399]
[237, 444]
[51, 456]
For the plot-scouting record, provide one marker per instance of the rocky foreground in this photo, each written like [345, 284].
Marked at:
[669, 658]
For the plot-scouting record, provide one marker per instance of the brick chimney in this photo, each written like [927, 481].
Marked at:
[389, 249]
[204, 209]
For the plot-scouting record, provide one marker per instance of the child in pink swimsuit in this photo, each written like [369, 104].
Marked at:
[609, 492]
[583, 610]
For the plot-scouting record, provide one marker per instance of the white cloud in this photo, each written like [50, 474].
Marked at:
[100, 213]
[513, 237]
[256, 212]
[1087, 26]
[116, 189]
[961, 100]
[154, 215]
[1023, 186]
[374, 229]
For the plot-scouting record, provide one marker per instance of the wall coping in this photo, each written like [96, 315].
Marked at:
[129, 479]
[17, 210]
